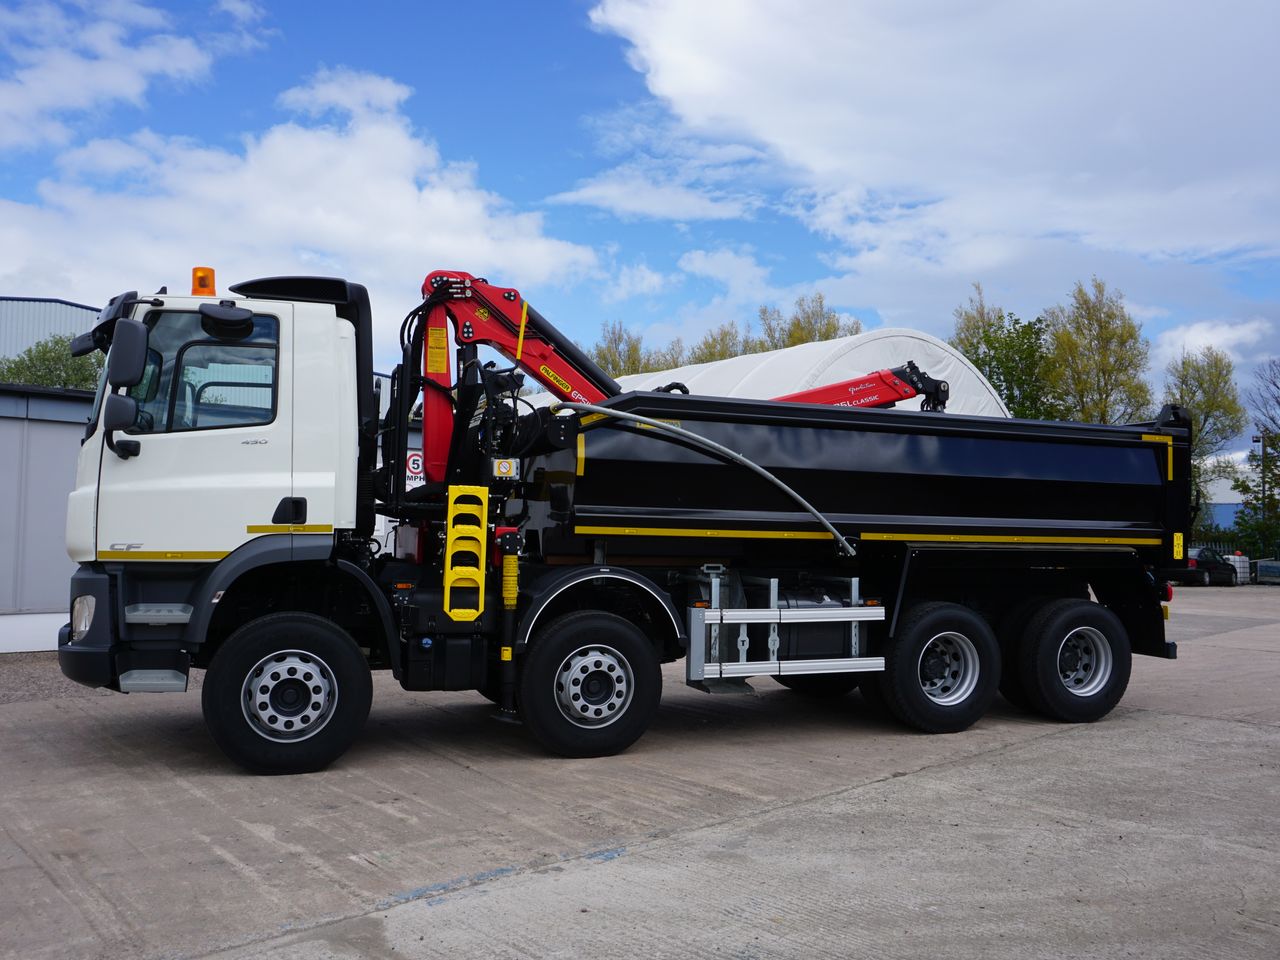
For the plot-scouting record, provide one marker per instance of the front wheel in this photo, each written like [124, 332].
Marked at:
[942, 669]
[1075, 661]
[287, 693]
[590, 685]
[1233, 580]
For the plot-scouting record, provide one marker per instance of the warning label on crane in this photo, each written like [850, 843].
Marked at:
[437, 350]
[413, 475]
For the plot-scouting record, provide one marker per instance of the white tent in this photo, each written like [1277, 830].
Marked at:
[780, 372]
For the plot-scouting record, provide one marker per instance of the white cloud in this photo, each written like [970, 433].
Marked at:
[632, 280]
[365, 197]
[667, 174]
[629, 193]
[68, 62]
[1027, 146]
[345, 91]
[744, 280]
[242, 11]
[1233, 337]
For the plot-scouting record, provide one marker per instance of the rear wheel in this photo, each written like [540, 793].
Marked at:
[590, 685]
[287, 693]
[1233, 579]
[942, 668]
[1204, 579]
[820, 686]
[1075, 661]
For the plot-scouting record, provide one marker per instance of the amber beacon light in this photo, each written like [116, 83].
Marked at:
[202, 282]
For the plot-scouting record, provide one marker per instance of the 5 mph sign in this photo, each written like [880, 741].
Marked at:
[413, 476]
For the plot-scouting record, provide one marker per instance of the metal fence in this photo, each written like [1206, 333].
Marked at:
[1253, 551]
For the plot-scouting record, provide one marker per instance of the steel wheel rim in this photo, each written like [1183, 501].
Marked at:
[948, 668]
[594, 686]
[1085, 661]
[288, 696]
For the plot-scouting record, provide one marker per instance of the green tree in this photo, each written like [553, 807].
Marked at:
[810, 320]
[620, 352]
[1204, 383]
[49, 363]
[725, 341]
[1012, 354]
[1098, 357]
[975, 324]
[1258, 520]
[1264, 395]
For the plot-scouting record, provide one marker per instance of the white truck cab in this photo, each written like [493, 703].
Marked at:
[234, 447]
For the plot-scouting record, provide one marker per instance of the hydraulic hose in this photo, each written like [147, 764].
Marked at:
[734, 456]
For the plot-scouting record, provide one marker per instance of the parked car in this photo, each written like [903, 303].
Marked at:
[1206, 566]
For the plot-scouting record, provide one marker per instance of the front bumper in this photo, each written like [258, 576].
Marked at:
[92, 666]
[91, 659]
[114, 653]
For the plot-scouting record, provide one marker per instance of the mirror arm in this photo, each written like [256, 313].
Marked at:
[124, 449]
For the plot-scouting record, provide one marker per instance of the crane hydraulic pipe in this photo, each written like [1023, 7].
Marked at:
[698, 440]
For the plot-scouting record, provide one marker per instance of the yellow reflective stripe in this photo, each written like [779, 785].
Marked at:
[1162, 438]
[817, 535]
[161, 554]
[582, 453]
[702, 532]
[289, 528]
[524, 319]
[1008, 538]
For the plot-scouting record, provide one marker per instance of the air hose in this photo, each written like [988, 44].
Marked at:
[700, 441]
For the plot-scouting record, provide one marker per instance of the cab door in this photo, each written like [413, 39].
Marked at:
[214, 432]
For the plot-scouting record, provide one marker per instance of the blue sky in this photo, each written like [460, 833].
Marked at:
[668, 164]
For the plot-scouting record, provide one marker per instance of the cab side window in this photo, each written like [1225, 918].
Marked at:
[195, 381]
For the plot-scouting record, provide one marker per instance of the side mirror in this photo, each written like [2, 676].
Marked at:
[128, 357]
[119, 413]
[226, 321]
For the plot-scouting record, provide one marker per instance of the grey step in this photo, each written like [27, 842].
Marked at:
[157, 614]
[773, 668]
[737, 685]
[798, 615]
[153, 681]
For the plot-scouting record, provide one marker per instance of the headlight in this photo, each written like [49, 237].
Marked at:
[81, 616]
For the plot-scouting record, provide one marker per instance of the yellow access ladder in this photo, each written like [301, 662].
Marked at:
[464, 552]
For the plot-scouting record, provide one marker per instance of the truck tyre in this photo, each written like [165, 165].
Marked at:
[1010, 634]
[1075, 661]
[589, 685]
[942, 669]
[820, 686]
[287, 693]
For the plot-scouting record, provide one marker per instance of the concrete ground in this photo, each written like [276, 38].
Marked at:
[738, 826]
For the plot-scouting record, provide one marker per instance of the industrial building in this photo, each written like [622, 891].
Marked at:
[43, 427]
